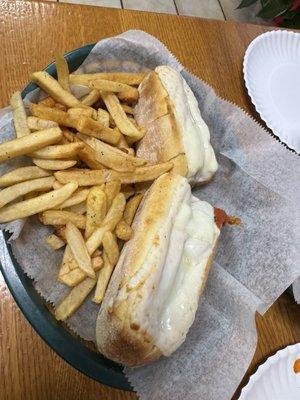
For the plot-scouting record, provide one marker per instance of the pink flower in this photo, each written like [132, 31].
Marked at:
[295, 5]
[278, 20]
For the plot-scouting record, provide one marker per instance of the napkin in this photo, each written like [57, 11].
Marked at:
[257, 180]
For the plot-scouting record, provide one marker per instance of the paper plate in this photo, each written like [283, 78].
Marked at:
[276, 379]
[272, 77]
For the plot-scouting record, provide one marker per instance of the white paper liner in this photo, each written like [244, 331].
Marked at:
[257, 180]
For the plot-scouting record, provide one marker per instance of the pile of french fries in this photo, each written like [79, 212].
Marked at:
[85, 180]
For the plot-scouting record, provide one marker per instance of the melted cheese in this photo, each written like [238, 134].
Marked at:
[200, 155]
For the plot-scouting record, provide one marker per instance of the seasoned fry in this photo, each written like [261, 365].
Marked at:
[111, 157]
[82, 124]
[62, 71]
[112, 189]
[90, 98]
[79, 208]
[38, 204]
[13, 192]
[79, 249]
[54, 242]
[77, 198]
[123, 231]
[78, 112]
[22, 174]
[74, 299]
[38, 124]
[127, 109]
[114, 87]
[110, 222]
[141, 174]
[110, 247]
[123, 145]
[119, 116]
[54, 165]
[59, 217]
[96, 210]
[103, 117]
[54, 89]
[103, 279]
[60, 231]
[83, 177]
[88, 156]
[124, 77]
[131, 207]
[19, 115]
[60, 151]
[29, 143]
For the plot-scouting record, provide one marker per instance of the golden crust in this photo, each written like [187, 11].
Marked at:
[163, 140]
[118, 338]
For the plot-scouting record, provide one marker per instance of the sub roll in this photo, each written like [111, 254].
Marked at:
[153, 294]
[175, 129]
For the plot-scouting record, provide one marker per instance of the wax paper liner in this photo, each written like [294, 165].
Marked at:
[258, 180]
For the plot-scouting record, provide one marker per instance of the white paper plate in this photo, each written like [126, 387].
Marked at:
[275, 379]
[272, 77]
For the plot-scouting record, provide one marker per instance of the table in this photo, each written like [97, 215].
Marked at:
[213, 50]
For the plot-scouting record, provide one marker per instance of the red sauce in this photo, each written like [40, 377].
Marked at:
[221, 218]
[297, 366]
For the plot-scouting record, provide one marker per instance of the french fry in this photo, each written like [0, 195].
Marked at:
[59, 217]
[20, 189]
[60, 107]
[114, 87]
[90, 98]
[19, 115]
[123, 231]
[141, 174]
[38, 124]
[82, 124]
[83, 177]
[110, 222]
[74, 299]
[103, 279]
[54, 89]
[123, 77]
[38, 204]
[128, 191]
[22, 174]
[131, 207]
[62, 71]
[79, 208]
[57, 185]
[103, 117]
[29, 143]
[110, 247]
[60, 151]
[128, 96]
[88, 156]
[48, 102]
[54, 242]
[96, 210]
[54, 165]
[119, 116]
[75, 276]
[111, 157]
[77, 198]
[67, 260]
[60, 231]
[112, 189]
[79, 249]
[123, 145]
[78, 112]
[127, 109]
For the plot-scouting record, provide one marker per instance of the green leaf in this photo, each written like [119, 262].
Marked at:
[274, 8]
[246, 3]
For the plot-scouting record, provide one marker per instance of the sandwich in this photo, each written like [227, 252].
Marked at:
[153, 294]
[175, 129]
